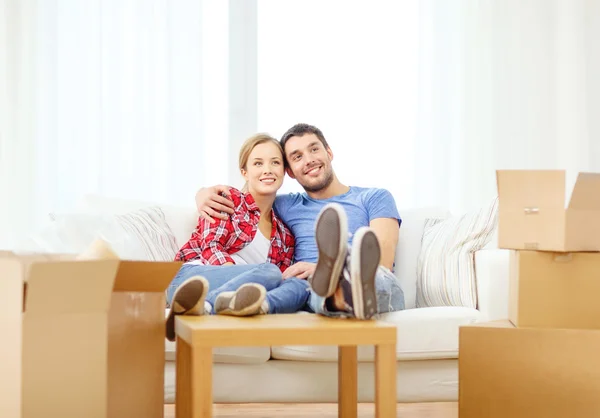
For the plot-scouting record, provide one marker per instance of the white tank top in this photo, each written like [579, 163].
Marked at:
[254, 253]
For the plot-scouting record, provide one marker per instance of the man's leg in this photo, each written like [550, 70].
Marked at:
[357, 292]
[289, 297]
[390, 296]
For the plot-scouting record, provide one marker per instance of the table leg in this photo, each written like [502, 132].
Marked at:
[183, 382]
[385, 380]
[193, 397]
[347, 382]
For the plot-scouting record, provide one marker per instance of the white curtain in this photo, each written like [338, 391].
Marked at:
[149, 99]
[505, 84]
[429, 97]
[119, 98]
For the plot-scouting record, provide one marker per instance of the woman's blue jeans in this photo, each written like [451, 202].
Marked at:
[283, 296]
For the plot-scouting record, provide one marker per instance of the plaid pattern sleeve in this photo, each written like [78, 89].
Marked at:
[208, 243]
[282, 245]
[214, 243]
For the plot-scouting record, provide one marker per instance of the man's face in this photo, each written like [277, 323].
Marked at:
[309, 161]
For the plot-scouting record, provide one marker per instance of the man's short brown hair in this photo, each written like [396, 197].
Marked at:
[301, 129]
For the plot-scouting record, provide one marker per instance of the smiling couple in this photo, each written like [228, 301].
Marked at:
[329, 250]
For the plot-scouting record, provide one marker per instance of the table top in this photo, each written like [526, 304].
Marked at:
[282, 329]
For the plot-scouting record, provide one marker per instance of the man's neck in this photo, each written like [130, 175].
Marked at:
[334, 189]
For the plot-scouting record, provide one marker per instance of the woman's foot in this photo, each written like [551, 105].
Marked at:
[188, 299]
[245, 301]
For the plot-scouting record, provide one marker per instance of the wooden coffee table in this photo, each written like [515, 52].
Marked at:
[198, 335]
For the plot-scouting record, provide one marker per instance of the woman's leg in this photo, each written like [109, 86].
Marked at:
[267, 275]
[216, 276]
[289, 297]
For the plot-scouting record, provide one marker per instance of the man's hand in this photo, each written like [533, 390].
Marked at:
[210, 203]
[301, 270]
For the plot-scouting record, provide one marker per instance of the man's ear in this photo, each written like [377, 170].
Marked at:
[289, 173]
[330, 153]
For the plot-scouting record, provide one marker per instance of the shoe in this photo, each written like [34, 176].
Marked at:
[188, 299]
[365, 255]
[332, 243]
[247, 300]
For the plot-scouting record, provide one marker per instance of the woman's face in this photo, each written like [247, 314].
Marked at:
[264, 169]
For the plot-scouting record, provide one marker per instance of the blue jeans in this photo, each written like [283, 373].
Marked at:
[390, 297]
[283, 296]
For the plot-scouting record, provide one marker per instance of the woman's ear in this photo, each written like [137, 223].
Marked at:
[244, 174]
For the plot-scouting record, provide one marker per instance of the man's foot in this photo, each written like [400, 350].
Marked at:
[364, 262]
[188, 299]
[245, 301]
[332, 241]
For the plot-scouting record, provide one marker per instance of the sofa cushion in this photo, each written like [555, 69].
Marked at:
[141, 234]
[182, 220]
[425, 333]
[446, 267]
[409, 246]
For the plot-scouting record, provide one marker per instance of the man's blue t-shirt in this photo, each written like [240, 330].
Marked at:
[362, 205]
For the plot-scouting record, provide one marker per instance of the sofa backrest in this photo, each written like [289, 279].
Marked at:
[183, 220]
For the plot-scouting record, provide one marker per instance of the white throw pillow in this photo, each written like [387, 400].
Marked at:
[141, 234]
[446, 267]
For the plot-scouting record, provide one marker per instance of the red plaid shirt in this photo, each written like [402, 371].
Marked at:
[214, 243]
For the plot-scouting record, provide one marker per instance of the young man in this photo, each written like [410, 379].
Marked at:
[327, 220]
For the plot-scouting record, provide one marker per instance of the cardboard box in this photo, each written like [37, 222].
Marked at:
[532, 213]
[528, 372]
[60, 357]
[92, 336]
[554, 290]
[136, 343]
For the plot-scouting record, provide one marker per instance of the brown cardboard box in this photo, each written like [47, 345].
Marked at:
[136, 350]
[528, 372]
[554, 290]
[61, 357]
[532, 214]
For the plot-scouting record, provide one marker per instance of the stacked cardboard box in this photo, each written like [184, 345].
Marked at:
[82, 338]
[544, 360]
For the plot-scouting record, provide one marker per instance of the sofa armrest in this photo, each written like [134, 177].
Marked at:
[492, 275]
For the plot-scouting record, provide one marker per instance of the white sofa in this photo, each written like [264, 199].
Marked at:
[427, 349]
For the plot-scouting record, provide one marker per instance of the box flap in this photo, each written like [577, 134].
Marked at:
[586, 193]
[530, 190]
[145, 276]
[70, 286]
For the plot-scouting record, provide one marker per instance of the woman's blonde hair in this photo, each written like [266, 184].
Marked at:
[249, 145]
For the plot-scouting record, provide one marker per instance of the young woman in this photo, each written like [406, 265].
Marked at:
[235, 266]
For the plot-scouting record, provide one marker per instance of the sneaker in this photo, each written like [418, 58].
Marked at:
[247, 300]
[364, 262]
[332, 241]
[188, 299]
